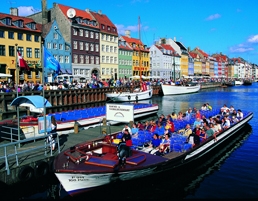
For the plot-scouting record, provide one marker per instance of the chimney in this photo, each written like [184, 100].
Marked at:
[14, 11]
[175, 39]
[87, 10]
[44, 11]
[100, 12]
[128, 33]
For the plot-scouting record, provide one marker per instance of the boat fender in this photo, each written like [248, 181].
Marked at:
[129, 97]
[26, 173]
[41, 169]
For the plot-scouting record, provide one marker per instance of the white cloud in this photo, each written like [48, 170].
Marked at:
[27, 10]
[121, 28]
[253, 39]
[241, 49]
[213, 17]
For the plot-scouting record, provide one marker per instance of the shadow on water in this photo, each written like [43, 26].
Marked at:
[177, 184]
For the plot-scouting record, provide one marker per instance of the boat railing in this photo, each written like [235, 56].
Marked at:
[12, 152]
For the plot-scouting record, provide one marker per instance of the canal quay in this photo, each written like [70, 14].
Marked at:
[29, 159]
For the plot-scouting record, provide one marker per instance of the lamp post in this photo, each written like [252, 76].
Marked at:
[17, 94]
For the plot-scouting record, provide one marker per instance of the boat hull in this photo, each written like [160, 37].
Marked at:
[77, 178]
[177, 90]
[128, 96]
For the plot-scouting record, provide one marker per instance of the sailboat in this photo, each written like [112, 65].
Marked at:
[141, 93]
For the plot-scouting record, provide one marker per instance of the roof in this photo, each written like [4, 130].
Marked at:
[130, 40]
[35, 100]
[25, 20]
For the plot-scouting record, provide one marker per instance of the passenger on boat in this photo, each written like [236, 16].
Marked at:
[160, 129]
[209, 132]
[231, 109]
[140, 126]
[153, 146]
[197, 122]
[170, 127]
[234, 120]
[223, 109]
[134, 130]
[193, 139]
[225, 123]
[203, 135]
[204, 107]
[209, 107]
[164, 146]
[180, 115]
[124, 147]
[240, 114]
[128, 128]
[147, 126]
[186, 131]
[198, 114]
[174, 116]
[217, 128]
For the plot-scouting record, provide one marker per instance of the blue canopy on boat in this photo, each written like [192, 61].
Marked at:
[36, 101]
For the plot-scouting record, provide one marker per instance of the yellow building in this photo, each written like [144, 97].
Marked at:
[24, 35]
[184, 64]
[141, 58]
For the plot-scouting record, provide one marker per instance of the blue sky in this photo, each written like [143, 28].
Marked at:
[226, 26]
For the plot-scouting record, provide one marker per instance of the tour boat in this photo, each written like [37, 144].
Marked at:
[169, 89]
[93, 164]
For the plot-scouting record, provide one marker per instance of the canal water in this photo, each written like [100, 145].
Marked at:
[232, 173]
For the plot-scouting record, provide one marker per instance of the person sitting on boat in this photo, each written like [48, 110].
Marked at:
[223, 109]
[140, 126]
[225, 123]
[209, 107]
[160, 129]
[186, 131]
[198, 114]
[154, 144]
[193, 139]
[174, 116]
[164, 146]
[134, 130]
[234, 120]
[153, 126]
[124, 147]
[240, 114]
[128, 128]
[209, 132]
[197, 122]
[204, 107]
[147, 126]
[217, 128]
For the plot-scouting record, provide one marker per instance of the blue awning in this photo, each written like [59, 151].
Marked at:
[63, 70]
[35, 100]
[69, 71]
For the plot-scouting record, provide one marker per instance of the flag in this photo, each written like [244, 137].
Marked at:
[50, 63]
[22, 62]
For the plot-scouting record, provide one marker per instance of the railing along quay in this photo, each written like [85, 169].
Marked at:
[70, 99]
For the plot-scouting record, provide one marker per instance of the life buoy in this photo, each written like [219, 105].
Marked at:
[26, 173]
[41, 169]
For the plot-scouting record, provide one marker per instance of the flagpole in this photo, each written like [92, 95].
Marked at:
[17, 94]
[43, 90]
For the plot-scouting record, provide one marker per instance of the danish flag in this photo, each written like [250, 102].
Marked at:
[22, 62]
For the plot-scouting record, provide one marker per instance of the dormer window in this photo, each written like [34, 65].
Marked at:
[20, 23]
[31, 25]
[108, 28]
[8, 21]
[94, 23]
[86, 21]
[103, 26]
[114, 29]
[79, 20]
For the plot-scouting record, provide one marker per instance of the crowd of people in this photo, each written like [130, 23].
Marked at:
[202, 127]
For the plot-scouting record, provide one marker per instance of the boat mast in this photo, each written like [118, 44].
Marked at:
[140, 64]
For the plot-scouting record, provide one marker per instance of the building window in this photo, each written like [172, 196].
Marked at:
[96, 35]
[1, 34]
[37, 53]
[103, 71]
[81, 45]
[102, 36]
[87, 59]
[60, 46]
[36, 38]
[66, 59]
[20, 49]
[81, 59]
[55, 36]
[108, 28]
[107, 59]
[91, 47]
[111, 60]
[29, 52]
[75, 45]
[67, 48]
[74, 32]
[115, 49]
[49, 46]
[75, 58]
[20, 36]
[107, 48]
[61, 59]
[91, 34]
[54, 46]
[10, 34]
[92, 59]
[8, 21]
[111, 38]
[11, 51]
[111, 48]
[103, 48]
[87, 46]
[86, 33]
[28, 37]
[55, 56]
[103, 59]
[97, 60]
[81, 32]
[103, 26]
[97, 47]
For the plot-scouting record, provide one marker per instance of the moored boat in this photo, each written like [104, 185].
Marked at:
[128, 96]
[92, 164]
[85, 118]
[168, 89]
[247, 82]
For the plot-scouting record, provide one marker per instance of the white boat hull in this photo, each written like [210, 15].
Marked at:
[237, 82]
[128, 96]
[177, 90]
